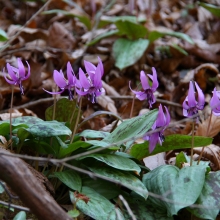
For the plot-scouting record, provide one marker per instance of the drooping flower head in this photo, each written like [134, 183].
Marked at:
[63, 83]
[190, 104]
[90, 84]
[215, 102]
[148, 90]
[162, 121]
[17, 75]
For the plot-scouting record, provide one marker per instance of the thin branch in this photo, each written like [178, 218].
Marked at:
[15, 206]
[26, 24]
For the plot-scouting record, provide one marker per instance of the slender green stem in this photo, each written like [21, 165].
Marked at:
[54, 105]
[207, 133]
[77, 121]
[193, 128]
[132, 107]
[11, 108]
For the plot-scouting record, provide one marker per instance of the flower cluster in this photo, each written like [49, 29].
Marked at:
[149, 85]
[89, 84]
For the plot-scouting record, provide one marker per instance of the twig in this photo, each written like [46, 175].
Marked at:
[26, 24]
[15, 206]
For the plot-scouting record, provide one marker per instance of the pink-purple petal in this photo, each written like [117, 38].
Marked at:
[59, 79]
[11, 73]
[21, 68]
[54, 93]
[201, 97]
[191, 95]
[155, 81]
[144, 80]
[28, 73]
[83, 79]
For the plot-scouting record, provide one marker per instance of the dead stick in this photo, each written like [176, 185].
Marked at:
[15, 173]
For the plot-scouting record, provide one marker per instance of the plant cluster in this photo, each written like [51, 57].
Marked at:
[125, 187]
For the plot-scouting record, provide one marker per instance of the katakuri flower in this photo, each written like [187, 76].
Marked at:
[190, 104]
[17, 75]
[63, 83]
[148, 90]
[162, 121]
[215, 102]
[90, 84]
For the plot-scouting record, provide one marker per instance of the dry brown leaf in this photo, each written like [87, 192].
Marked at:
[107, 103]
[60, 37]
[213, 129]
[211, 153]
[109, 89]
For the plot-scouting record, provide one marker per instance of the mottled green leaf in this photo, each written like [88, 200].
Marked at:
[49, 129]
[172, 142]
[115, 161]
[128, 52]
[20, 216]
[209, 199]
[107, 189]
[70, 178]
[128, 180]
[98, 207]
[130, 29]
[133, 128]
[177, 188]
[64, 111]
[94, 134]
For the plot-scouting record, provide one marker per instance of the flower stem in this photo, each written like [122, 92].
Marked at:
[77, 121]
[132, 107]
[207, 133]
[12, 98]
[54, 107]
[193, 128]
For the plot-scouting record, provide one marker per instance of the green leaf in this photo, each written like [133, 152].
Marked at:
[128, 52]
[3, 35]
[107, 189]
[101, 36]
[115, 161]
[180, 49]
[72, 147]
[144, 209]
[177, 188]
[209, 198]
[49, 129]
[98, 207]
[83, 17]
[1, 189]
[154, 35]
[94, 134]
[172, 142]
[23, 134]
[20, 216]
[73, 213]
[27, 120]
[128, 180]
[4, 128]
[130, 29]
[133, 128]
[64, 110]
[215, 10]
[70, 178]
[113, 19]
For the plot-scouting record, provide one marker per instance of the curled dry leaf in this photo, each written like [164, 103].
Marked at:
[109, 89]
[212, 153]
[107, 103]
[213, 129]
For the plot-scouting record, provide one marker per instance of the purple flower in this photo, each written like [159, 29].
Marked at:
[148, 90]
[17, 75]
[64, 84]
[90, 84]
[162, 122]
[215, 102]
[190, 104]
